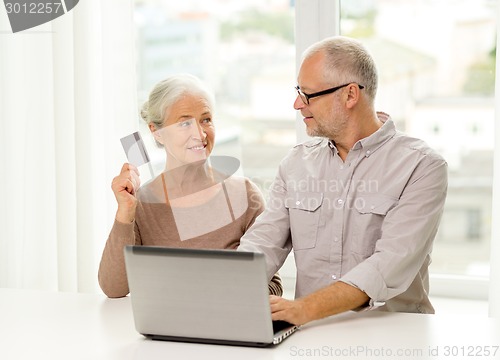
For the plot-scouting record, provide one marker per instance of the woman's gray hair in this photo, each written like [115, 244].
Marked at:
[347, 60]
[166, 92]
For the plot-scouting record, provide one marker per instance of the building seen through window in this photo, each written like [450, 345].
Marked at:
[436, 61]
[437, 73]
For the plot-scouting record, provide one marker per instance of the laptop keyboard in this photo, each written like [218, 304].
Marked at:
[279, 325]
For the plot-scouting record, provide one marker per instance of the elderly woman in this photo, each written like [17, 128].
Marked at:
[193, 203]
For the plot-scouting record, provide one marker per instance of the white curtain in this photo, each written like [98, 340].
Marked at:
[494, 296]
[67, 94]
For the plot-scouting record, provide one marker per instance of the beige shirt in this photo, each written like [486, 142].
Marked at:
[217, 223]
[369, 221]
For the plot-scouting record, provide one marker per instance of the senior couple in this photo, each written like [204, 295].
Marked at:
[356, 246]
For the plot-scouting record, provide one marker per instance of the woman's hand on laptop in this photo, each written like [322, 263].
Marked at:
[125, 186]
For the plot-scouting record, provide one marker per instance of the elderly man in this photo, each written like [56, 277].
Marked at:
[360, 205]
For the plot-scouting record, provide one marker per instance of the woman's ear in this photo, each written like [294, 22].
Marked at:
[156, 133]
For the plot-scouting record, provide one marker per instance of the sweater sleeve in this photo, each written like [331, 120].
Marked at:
[275, 286]
[112, 275]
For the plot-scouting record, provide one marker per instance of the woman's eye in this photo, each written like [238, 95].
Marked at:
[185, 123]
[207, 121]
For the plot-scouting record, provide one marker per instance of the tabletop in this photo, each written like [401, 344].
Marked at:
[54, 325]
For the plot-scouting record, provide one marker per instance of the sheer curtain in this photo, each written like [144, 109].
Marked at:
[494, 296]
[67, 94]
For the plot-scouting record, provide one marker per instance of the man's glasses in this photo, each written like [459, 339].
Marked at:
[305, 97]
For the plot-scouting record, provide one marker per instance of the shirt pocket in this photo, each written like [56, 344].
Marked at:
[369, 215]
[304, 210]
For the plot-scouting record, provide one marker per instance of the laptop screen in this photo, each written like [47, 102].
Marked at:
[199, 294]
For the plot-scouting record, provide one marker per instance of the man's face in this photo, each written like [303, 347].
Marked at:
[323, 115]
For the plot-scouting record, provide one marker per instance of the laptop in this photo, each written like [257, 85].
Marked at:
[204, 296]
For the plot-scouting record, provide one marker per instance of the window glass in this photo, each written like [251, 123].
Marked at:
[244, 49]
[436, 61]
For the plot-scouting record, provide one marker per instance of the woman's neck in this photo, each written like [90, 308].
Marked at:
[188, 179]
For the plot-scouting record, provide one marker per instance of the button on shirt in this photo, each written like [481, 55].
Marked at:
[368, 221]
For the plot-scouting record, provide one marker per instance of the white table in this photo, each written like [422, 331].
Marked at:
[45, 325]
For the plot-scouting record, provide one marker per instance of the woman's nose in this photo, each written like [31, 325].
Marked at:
[200, 132]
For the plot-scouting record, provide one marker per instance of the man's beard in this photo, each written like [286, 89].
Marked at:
[327, 130]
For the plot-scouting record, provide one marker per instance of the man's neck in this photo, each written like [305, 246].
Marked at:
[361, 126]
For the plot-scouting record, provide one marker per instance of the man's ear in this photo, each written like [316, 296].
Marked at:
[353, 95]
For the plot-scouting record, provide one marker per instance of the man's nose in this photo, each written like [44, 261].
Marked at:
[298, 103]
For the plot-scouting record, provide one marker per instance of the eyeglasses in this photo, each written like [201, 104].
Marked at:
[305, 97]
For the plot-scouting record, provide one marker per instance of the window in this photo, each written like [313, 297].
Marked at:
[474, 224]
[437, 71]
[436, 62]
[245, 51]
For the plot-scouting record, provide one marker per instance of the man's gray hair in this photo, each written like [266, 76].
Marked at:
[347, 60]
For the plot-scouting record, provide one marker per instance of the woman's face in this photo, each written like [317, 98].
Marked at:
[188, 131]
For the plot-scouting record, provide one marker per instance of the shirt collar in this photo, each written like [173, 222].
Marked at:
[373, 142]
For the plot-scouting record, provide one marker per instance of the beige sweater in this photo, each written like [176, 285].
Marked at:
[217, 223]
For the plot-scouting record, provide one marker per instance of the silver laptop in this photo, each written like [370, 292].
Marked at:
[206, 296]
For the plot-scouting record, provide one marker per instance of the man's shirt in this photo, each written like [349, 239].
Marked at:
[369, 221]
